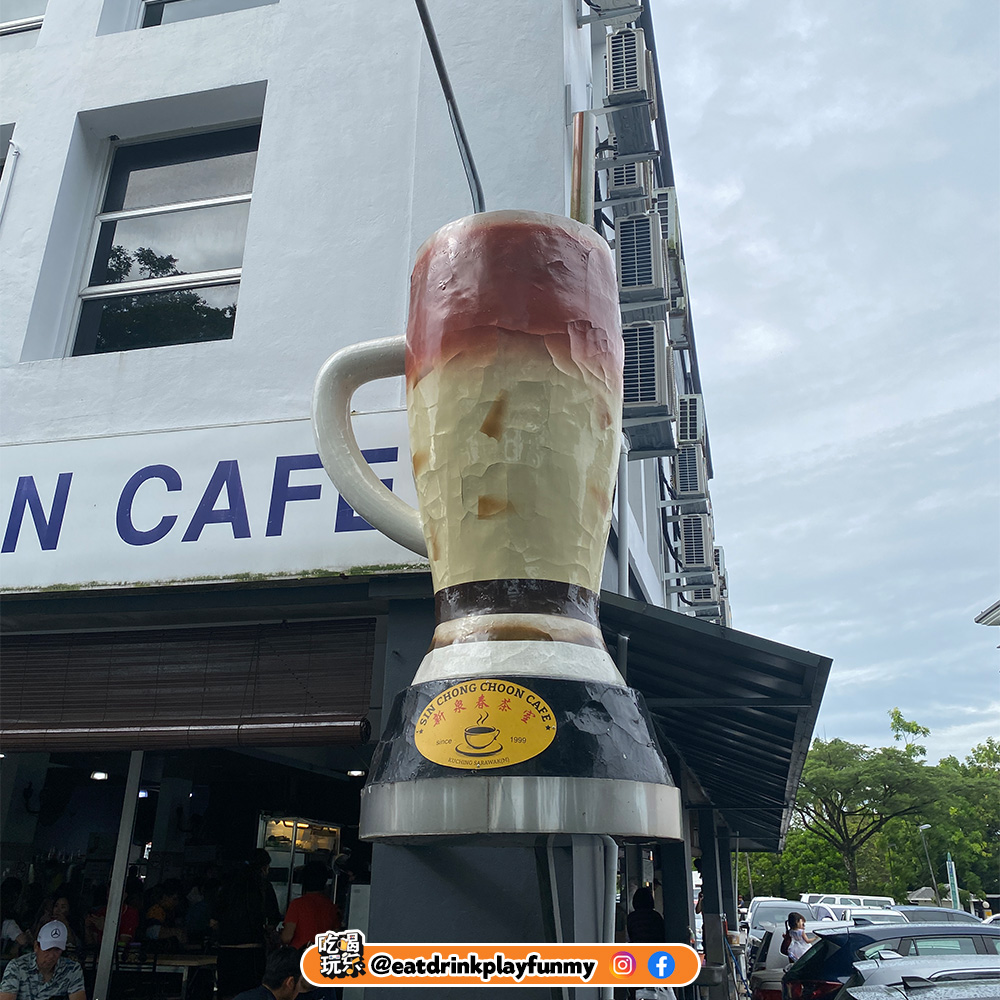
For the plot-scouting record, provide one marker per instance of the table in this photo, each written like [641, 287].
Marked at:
[184, 963]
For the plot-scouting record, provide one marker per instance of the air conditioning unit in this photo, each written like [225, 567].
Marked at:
[720, 571]
[627, 67]
[677, 328]
[704, 595]
[690, 478]
[696, 541]
[649, 371]
[665, 203]
[690, 419]
[630, 180]
[639, 252]
[725, 615]
[677, 273]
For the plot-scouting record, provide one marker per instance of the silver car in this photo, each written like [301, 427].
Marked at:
[921, 989]
[887, 970]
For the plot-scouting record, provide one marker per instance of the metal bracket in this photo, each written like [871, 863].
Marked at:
[608, 16]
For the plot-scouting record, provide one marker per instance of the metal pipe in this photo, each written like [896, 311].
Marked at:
[109, 941]
[581, 203]
[8, 174]
[610, 891]
[930, 867]
[478, 201]
[623, 516]
[554, 887]
[622, 654]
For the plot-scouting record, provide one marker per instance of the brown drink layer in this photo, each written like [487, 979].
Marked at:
[514, 372]
[474, 281]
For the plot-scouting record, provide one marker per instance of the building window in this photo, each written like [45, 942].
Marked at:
[19, 24]
[167, 11]
[169, 243]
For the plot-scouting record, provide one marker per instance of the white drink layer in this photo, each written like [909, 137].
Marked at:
[514, 453]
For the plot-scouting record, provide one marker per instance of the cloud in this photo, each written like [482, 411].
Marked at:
[837, 176]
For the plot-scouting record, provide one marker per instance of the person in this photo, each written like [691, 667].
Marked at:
[281, 979]
[128, 922]
[313, 912]
[12, 937]
[161, 917]
[644, 923]
[57, 907]
[45, 972]
[799, 940]
[246, 915]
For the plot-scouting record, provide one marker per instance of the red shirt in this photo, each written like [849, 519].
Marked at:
[312, 914]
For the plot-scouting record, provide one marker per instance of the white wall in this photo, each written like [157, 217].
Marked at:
[356, 167]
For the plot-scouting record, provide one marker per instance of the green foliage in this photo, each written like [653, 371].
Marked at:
[849, 793]
[155, 319]
[858, 811]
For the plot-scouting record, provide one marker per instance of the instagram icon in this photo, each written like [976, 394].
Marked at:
[622, 963]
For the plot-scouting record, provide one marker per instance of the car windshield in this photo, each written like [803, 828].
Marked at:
[774, 914]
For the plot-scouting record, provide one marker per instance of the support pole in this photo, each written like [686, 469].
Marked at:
[623, 517]
[711, 902]
[109, 941]
[581, 199]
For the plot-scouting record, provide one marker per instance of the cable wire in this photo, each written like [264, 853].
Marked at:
[476, 189]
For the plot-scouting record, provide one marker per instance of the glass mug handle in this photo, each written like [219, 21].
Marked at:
[341, 375]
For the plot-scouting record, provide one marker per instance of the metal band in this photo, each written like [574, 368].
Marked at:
[516, 597]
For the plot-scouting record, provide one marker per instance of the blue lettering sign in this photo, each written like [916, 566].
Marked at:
[123, 516]
[47, 528]
[282, 493]
[227, 474]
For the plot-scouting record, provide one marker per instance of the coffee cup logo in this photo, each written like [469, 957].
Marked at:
[456, 728]
[482, 738]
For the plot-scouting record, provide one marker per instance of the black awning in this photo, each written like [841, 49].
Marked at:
[736, 709]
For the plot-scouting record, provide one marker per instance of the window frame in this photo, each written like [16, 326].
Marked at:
[146, 5]
[86, 292]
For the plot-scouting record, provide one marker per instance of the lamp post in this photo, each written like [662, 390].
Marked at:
[930, 867]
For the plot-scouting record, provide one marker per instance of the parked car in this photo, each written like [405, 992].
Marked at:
[822, 971]
[893, 971]
[769, 965]
[842, 899]
[994, 919]
[866, 916]
[919, 989]
[937, 914]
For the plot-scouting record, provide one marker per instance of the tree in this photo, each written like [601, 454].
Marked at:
[850, 792]
[153, 319]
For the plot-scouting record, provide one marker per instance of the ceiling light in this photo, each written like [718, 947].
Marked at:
[143, 794]
[99, 775]
[355, 774]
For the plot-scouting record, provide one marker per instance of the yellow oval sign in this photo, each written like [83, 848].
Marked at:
[484, 723]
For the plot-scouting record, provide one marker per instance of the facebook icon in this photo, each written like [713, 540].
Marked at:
[661, 964]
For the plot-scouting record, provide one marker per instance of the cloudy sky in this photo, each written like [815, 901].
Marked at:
[837, 176]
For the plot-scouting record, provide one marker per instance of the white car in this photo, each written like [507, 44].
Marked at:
[865, 916]
[995, 919]
[769, 964]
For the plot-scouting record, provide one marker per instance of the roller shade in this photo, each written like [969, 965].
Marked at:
[260, 685]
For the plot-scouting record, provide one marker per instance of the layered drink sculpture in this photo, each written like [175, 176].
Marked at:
[517, 720]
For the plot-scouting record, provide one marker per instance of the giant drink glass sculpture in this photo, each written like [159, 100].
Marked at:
[517, 720]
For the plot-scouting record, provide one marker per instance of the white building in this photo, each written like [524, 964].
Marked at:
[196, 213]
